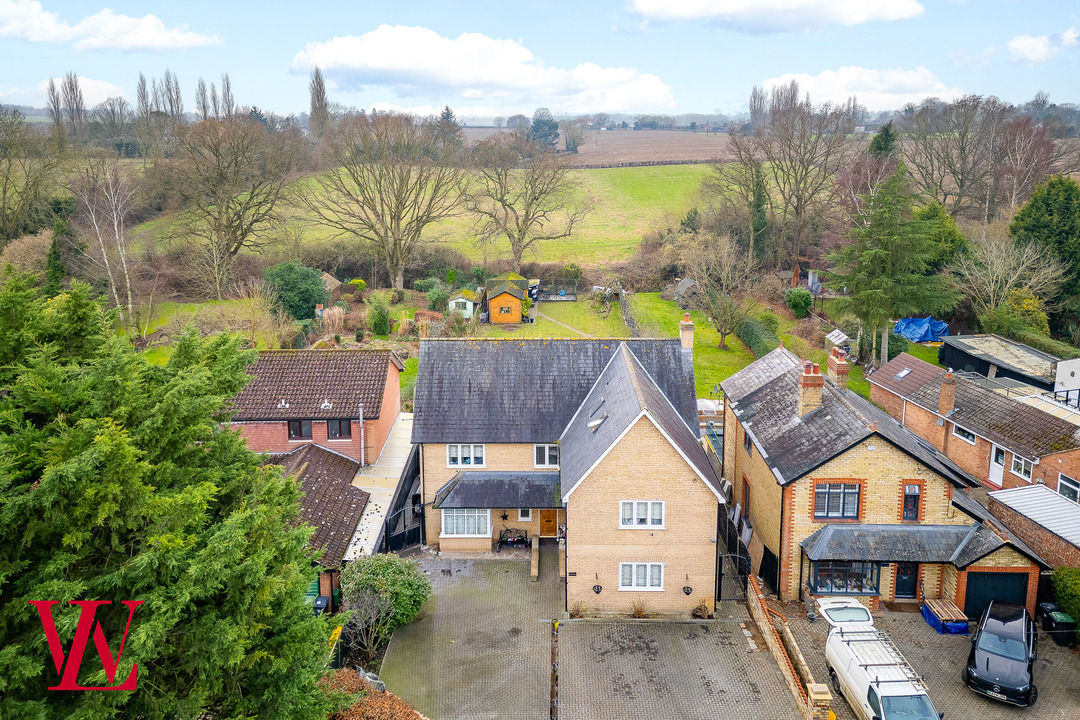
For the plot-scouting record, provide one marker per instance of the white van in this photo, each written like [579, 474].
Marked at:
[866, 667]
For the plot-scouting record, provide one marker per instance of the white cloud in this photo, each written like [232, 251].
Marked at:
[28, 20]
[417, 62]
[778, 15]
[888, 89]
[94, 91]
[1034, 50]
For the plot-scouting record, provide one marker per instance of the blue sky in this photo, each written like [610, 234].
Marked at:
[499, 58]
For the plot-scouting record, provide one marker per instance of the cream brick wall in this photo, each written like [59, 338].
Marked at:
[434, 473]
[765, 491]
[643, 466]
[883, 472]
[1003, 557]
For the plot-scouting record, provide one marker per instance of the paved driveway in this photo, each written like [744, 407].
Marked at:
[481, 649]
[939, 659]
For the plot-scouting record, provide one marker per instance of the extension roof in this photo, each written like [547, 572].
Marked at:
[330, 502]
[508, 278]
[315, 385]
[623, 394]
[1006, 353]
[764, 396]
[1044, 507]
[1023, 429]
[527, 390]
[491, 489]
[960, 545]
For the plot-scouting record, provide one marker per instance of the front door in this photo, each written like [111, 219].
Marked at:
[997, 465]
[549, 523]
[907, 579]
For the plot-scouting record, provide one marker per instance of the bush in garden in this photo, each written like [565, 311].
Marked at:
[1066, 583]
[397, 296]
[769, 319]
[573, 271]
[358, 285]
[799, 300]
[437, 298]
[297, 287]
[378, 316]
[426, 285]
[757, 336]
[382, 593]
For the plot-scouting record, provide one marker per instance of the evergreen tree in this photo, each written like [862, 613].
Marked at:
[119, 482]
[299, 288]
[885, 267]
[54, 263]
[544, 130]
[1051, 218]
[944, 234]
[883, 146]
[449, 130]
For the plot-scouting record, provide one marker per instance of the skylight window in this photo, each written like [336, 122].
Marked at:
[597, 408]
[903, 373]
[594, 425]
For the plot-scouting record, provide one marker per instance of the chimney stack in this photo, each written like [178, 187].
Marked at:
[947, 399]
[686, 333]
[811, 384]
[838, 368]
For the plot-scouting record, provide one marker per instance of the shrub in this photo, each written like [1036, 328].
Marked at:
[757, 336]
[359, 337]
[426, 285]
[639, 609]
[397, 296]
[1047, 345]
[1066, 583]
[358, 285]
[573, 271]
[298, 288]
[578, 610]
[437, 298]
[399, 580]
[379, 316]
[799, 300]
[769, 319]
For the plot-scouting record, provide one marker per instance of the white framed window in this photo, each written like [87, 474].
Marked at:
[1021, 466]
[524, 514]
[545, 456]
[459, 454]
[1069, 488]
[647, 577]
[466, 522]
[965, 435]
[641, 514]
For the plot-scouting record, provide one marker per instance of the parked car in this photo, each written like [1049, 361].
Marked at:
[1002, 658]
[866, 667]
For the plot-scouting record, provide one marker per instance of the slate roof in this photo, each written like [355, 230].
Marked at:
[484, 489]
[764, 397]
[622, 394]
[1044, 507]
[887, 543]
[527, 390]
[1006, 353]
[970, 505]
[1021, 428]
[330, 502]
[315, 385]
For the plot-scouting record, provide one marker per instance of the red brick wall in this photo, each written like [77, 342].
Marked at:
[1052, 548]
[924, 424]
[890, 401]
[1065, 463]
[377, 431]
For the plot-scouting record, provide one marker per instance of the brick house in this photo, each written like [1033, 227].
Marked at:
[330, 503]
[597, 436]
[842, 500]
[345, 400]
[1048, 522]
[999, 440]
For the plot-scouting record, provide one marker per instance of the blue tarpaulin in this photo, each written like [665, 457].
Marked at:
[921, 329]
[944, 627]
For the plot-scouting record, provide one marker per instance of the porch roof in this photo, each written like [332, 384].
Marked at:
[493, 489]
[891, 543]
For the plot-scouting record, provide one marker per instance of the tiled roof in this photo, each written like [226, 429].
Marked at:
[330, 283]
[1044, 507]
[526, 391]
[491, 489]
[315, 385]
[1021, 428]
[904, 374]
[887, 543]
[765, 395]
[330, 502]
[621, 395]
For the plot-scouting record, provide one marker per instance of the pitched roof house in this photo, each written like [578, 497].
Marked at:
[597, 436]
[997, 439]
[346, 400]
[463, 301]
[841, 499]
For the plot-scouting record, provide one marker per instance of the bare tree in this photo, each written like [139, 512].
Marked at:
[759, 108]
[113, 115]
[319, 115]
[28, 170]
[74, 105]
[231, 176]
[55, 105]
[723, 277]
[995, 264]
[105, 198]
[390, 178]
[739, 186]
[573, 134]
[202, 102]
[172, 98]
[215, 106]
[371, 617]
[803, 148]
[1027, 156]
[499, 121]
[524, 193]
[228, 102]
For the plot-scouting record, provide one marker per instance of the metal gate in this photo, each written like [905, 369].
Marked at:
[732, 559]
[404, 524]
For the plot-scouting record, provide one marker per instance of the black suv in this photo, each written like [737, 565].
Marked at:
[1002, 655]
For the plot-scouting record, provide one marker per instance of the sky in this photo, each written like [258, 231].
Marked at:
[491, 58]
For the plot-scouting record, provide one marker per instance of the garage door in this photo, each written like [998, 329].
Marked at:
[982, 587]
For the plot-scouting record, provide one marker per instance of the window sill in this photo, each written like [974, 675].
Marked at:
[344, 439]
[969, 442]
[835, 520]
[1016, 474]
[637, 589]
[642, 527]
[545, 467]
[300, 440]
[465, 467]
[814, 591]
[464, 537]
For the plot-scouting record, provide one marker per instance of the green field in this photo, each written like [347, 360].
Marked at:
[627, 202]
[581, 316]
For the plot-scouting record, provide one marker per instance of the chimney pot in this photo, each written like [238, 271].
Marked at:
[811, 385]
[686, 333]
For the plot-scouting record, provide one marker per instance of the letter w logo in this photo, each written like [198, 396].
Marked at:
[69, 671]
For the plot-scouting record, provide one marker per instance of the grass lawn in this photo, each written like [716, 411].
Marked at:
[581, 316]
[660, 318]
[923, 352]
[158, 355]
[408, 379]
[542, 328]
